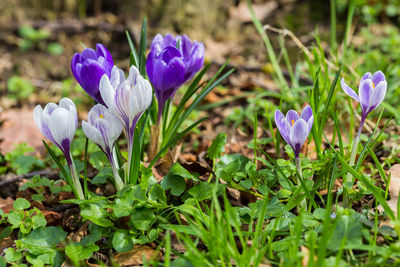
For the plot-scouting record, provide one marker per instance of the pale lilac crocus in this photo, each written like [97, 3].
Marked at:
[104, 128]
[371, 92]
[295, 129]
[128, 98]
[58, 124]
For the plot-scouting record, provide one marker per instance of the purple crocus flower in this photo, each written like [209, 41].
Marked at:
[371, 92]
[192, 52]
[88, 68]
[166, 71]
[294, 128]
[171, 62]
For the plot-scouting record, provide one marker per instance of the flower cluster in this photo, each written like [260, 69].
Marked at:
[171, 62]
[121, 100]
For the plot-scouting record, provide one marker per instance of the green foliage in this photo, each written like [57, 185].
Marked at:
[19, 88]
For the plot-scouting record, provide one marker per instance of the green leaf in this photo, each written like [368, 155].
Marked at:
[43, 240]
[217, 146]
[12, 255]
[38, 197]
[122, 241]
[347, 228]
[6, 232]
[143, 218]
[15, 218]
[157, 194]
[77, 252]
[176, 183]
[96, 214]
[39, 221]
[203, 191]
[98, 160]
[21, 204]
[122, 208]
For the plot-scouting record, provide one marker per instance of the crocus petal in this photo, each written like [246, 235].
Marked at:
[74, 63]
[117, 76]
[107, 91]
[366, 76]
[378, 94]
[350, 92]
[283, 126]
[298, 135]
[70, 106]
[102, 50]
[292, 116]
[307, 113]
[378, 77]
[93, 134]
[62, 128]
[88, 53]
[365, 94]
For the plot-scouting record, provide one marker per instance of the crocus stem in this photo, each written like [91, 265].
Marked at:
[75, 179]
[119, 184]
[303, 204]
[348, 180]
[115, 157]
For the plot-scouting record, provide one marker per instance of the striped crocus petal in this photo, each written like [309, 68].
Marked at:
[102, 128]
[350, 92]
[298, 135]
[365, 92]
[283, 125]
[307, 115]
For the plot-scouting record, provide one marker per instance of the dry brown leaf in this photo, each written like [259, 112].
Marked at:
[19, 127]
[135, 256]
[394, 188]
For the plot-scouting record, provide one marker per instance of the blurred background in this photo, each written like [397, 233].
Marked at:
[39, 37]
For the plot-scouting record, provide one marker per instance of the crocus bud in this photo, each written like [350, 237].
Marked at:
[88, 68]
[294, 128]
[371, 91]
[58, 123]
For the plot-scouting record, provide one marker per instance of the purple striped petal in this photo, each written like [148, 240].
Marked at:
[378, 77]
[298, 135]
[292, 116]
[366, 76]
[283, 126]
[378, 94]
[307, 113]
[350, 92]
[365, 94]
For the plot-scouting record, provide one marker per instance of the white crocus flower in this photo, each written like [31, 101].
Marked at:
[58, 124]
[128, 98]
[104, 128]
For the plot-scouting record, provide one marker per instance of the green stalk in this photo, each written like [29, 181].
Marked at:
[119, 184]
[75, 179]
[303, 204]
[353, 155]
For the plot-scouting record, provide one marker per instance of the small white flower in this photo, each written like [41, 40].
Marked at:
[57, 122]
